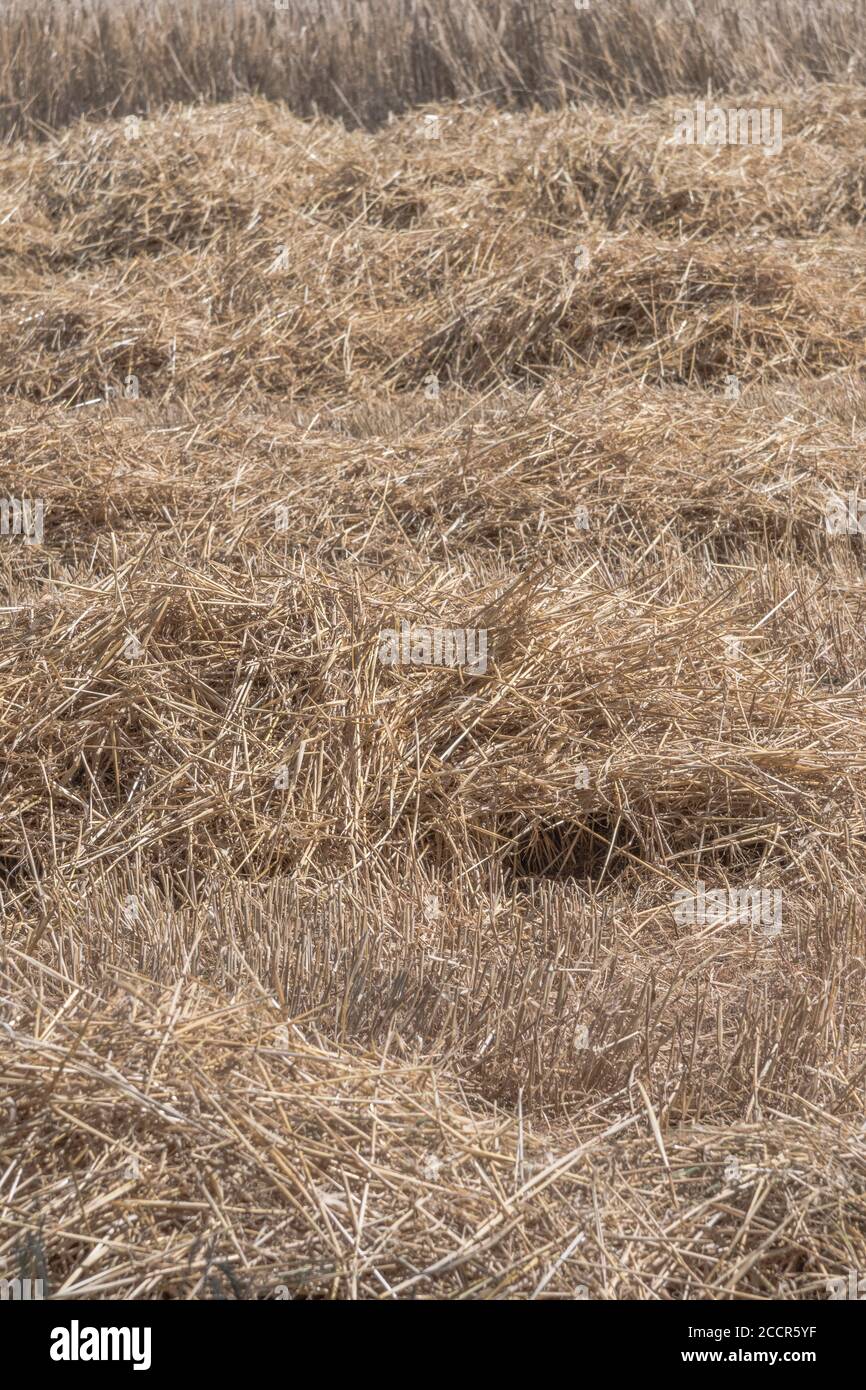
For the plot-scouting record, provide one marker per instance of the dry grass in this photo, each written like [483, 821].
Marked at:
[361, 60]
[331, 977]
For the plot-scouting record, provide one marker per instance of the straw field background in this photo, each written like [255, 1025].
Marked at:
[323, 978]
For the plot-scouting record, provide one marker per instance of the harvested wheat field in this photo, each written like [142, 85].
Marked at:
[433, 684]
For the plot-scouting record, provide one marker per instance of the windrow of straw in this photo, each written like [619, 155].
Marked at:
[323, 976]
